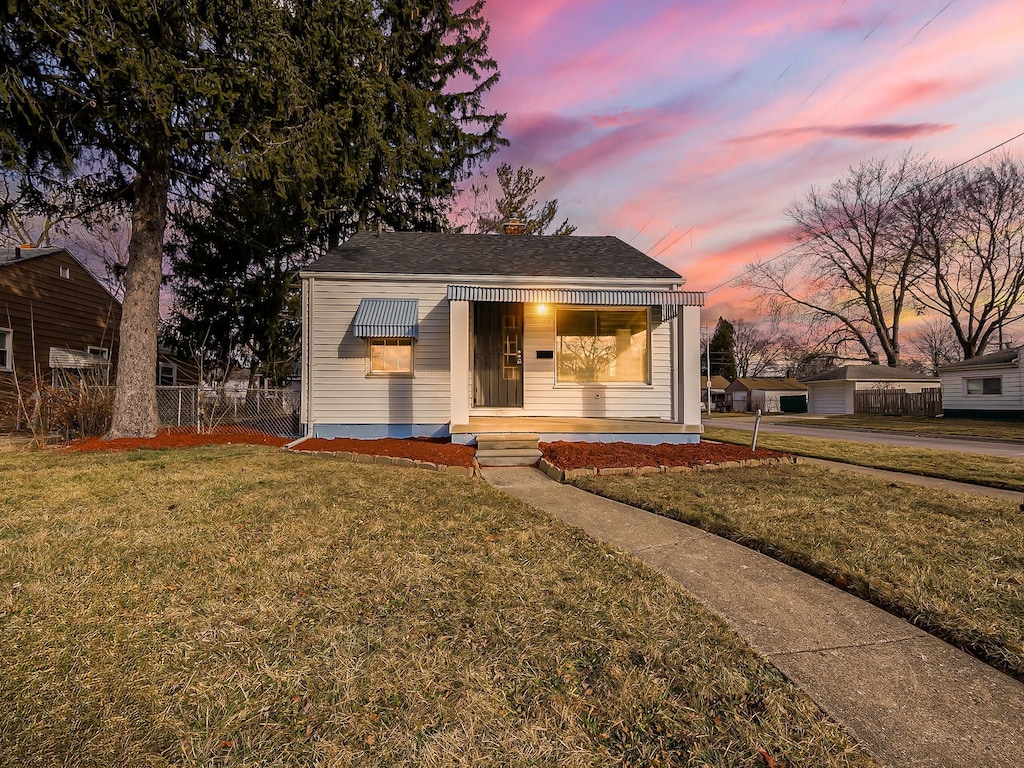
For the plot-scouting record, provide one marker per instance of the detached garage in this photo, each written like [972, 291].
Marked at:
[834, 391]
[766, 394]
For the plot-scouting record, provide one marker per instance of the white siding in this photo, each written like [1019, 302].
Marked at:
[542, 396]
[335, 362]
[955, 397]
[830, 397]
[342, 391]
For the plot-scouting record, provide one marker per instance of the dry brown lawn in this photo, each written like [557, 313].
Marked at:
[950, 563]
[245, 606]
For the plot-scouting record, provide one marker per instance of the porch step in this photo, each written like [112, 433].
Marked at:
[511, 457]
[510, 442]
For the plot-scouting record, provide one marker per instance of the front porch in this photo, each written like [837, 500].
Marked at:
[549, 429]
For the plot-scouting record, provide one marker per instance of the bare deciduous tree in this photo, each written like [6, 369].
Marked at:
[935, 343]
[852, 266]
[971, 251]
[757, 349]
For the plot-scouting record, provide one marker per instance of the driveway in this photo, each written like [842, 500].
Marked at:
[961, 445]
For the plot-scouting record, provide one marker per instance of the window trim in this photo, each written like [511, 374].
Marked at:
[8, 346]
[64, 272]
[395, 341]
[982, 379]
[648, 381]
[159, 374]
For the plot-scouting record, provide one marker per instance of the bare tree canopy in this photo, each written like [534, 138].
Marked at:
[757, 349]
[970, 232]
[851, 268]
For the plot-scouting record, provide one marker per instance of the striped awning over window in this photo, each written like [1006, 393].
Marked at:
[387, 319]
[623, 298]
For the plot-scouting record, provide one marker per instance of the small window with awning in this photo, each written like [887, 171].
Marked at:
[390, 326]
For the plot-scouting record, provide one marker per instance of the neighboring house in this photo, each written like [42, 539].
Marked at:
[57, 321]
[582, 338]
[172, 371]
[766, 394]
[718, 387]
[833, 391]
[989, 386]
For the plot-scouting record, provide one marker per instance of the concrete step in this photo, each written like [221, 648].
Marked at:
[506, 442]
[513, 457]
[506, 461]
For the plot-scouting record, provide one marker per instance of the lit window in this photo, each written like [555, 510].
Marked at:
[992, 385]
[602, 345]
[6, 358]
[390, 355]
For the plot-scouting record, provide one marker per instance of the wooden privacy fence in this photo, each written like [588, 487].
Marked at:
[898, 402]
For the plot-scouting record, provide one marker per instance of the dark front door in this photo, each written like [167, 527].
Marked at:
[498, 355]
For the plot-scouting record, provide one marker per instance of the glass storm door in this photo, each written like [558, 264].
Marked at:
[497, 355]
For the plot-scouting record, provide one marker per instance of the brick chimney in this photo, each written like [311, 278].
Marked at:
[514, 226]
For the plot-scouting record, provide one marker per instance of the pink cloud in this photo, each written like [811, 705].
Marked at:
[875, 131]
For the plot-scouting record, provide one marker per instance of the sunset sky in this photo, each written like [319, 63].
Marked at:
[686, 126]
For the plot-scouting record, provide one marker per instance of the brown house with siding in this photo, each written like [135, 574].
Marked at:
[55, 318]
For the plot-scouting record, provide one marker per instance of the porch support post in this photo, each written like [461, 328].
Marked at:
[458, 314]
[689, 366]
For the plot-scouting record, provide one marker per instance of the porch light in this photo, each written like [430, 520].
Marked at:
[542, 309]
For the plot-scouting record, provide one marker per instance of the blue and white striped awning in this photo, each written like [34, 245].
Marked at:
[387, 319]
[608, 298]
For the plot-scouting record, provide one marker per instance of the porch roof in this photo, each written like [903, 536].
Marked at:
[616, 298]
[387, 319]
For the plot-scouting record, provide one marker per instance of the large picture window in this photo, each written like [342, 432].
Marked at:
[390, 355]
[990, 385]
[602, 345]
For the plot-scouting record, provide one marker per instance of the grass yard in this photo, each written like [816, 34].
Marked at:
[952, 564]
[239, 605]
[922, 425]
[994, 471]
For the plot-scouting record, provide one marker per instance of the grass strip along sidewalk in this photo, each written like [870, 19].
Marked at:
[241, 605]
[950, 563]
[917, 425]
[976, 468]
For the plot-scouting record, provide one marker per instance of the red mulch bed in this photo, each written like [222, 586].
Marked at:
[436, 450]
[610, 455]
[181, 437]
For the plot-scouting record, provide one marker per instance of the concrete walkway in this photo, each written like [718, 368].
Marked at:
[908, 698]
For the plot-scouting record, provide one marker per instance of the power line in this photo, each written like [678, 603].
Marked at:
[920, 184]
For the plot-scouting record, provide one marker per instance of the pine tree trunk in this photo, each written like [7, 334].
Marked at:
[135, 413]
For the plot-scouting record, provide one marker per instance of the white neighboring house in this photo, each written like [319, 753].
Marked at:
[989, 386]
[749, 394]
[424, 334]
[832, 391]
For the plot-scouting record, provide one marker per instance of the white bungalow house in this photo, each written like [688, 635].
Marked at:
[424, 334]
[834, 391]
[990, 386]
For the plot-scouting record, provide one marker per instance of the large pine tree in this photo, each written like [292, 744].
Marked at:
[345, 109]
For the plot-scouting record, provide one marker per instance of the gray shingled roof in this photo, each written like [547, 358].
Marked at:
[1002, 357]
[869, 373]
[429, 253]
[15, 255]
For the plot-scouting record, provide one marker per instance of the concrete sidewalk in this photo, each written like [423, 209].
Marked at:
[908, 698]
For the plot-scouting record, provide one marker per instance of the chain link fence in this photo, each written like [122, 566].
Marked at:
[274, 411]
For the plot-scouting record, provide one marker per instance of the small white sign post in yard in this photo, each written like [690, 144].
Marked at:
[757, 423]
